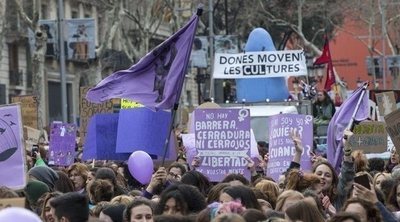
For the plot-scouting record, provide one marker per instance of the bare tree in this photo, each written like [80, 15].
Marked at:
[38, 59]
[2, 26]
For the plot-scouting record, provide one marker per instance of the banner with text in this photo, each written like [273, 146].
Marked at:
[222, 140]
[12, 150]
[393, 128]
[371, 137]
[62, 144]
[260, 64]
[281, 146]
[88, 109]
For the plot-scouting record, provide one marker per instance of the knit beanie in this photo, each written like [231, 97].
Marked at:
[34, 190]
[45, 175]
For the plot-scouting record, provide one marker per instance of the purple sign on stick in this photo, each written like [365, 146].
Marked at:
[222, 140]
[281, 146]
[12, 150]
[62, 144]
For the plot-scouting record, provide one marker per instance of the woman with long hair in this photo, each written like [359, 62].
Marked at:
[303, 211]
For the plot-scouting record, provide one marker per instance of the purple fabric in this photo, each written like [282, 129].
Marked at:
[339, 122]
[156, 80]
[12, 151]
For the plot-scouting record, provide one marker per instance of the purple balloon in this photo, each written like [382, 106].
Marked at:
[141, 166]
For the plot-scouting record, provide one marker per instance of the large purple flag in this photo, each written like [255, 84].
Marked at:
[339, 122]
[156, 80]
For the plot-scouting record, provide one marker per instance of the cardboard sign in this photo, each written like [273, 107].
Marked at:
[62, 144]
[29, 109]
[31, 136]
[129, 104]
[386, 103]
[12, 150]
[88, 109]
[371, 137]
[223, 142]
[393, 128]
[12, 202]
[264, 64]
[281, 146]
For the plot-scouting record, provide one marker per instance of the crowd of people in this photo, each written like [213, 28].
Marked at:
[106, 191]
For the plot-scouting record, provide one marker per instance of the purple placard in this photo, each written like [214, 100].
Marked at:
[281, 146]
[12, 150]
[102, 138]
[142, 129]
[222, 141]
[62, 144]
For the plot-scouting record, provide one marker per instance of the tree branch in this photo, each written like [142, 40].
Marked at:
[24, 16]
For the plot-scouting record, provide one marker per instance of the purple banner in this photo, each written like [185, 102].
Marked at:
[62, 144]
[281, 146]
[12, 151]
[222, 140]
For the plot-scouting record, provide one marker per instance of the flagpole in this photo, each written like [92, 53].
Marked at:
[176, 105]
[364, 89]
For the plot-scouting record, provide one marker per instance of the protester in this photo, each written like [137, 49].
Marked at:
[106, 173]
[393, 161]
[64, 184]
[33, 191]
[139, 210]
[198, 180]
[303, 211]
[180, 199]
[46, 214]
[378, 178]
[100, 190]
[323, 107]
[78, 174]
[242, 194]
[270, 189]
[70, 207]
[287, 198]
[45, 175]
[365, 209]
[113, 213]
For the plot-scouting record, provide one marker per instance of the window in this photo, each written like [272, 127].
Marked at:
[44, 11]
[74, 14]
[15, 78]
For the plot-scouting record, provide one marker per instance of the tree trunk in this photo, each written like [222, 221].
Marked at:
[2, 25]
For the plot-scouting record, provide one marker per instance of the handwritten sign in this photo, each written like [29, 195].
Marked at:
[129, 104]
[12, 202]
[62, 144]
[29, 109]
[386, 102]
[371, 137]
[31, 136]
[264, 64]
[12, 150]
[281, 146]
[393, 128]
[88, 109]
[222, 140]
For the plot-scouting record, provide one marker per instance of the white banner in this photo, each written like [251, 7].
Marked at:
[260, 64]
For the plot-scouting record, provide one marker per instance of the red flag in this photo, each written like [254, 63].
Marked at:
[330, 77]
[326, 54]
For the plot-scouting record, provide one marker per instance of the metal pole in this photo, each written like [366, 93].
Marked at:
[383, 10]
[60, 21]
[211, 35]
[353, 116]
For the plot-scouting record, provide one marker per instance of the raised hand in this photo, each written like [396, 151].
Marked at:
[297, 141]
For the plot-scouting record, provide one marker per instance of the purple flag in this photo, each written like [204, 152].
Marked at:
[339, 122]
[156, 80]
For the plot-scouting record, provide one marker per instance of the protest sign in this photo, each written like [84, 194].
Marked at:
[264, 64]
[129, 104]
[88, 109]
[281, 146]
[31, 136]
[142, 129]
[371, 137]
[12, 150]
[102, 138]
[12, 202]
[62, 144]
[386, 102]
[29, 109]
[222, 140]
[393, 128]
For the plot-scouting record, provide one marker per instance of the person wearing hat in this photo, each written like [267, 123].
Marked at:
[34, 189]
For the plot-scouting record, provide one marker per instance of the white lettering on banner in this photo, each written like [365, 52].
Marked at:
[231, 161]
[215, 125]
[260, 64]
